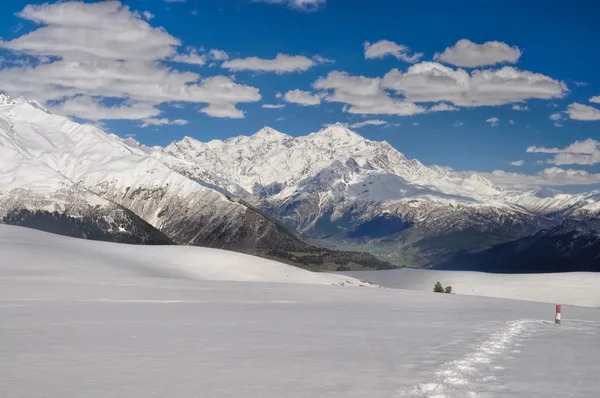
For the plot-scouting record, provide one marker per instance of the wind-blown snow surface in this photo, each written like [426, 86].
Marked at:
[31, 252]
[575, 288]
[102, 326]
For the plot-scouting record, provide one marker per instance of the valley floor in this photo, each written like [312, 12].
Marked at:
[174, 335]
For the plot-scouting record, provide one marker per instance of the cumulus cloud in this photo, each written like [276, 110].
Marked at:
[191, 57]
[519, 107]
[372, 122]
[433, 82]
[162, 122]
[467, 54]
[147, 15]
[299, 5]
[364, 95]
[273, 106]
[101, 50]
[583, 112]
[518, 163]
[553, 176]
[384, 48]
[493, 121]
[281, 64]
[595, 99]
[223, 110]
[93, 109]
[441, 107]
[579, 152]
[303, 98]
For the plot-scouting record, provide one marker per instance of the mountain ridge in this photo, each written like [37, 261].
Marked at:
[332, 186]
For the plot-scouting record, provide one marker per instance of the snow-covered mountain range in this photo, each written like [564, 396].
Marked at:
[49, 163]
[337, 186]
[333, 186]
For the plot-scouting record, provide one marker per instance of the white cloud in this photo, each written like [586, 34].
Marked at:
[278, 95]
[282, 63]
[147, 15]
[92, 109]
[191, 57]
[104, 50]
[300, 5]
[553, 176]
[512, 122]
[163, 121]
[383, 48]
[467, 54]
[556, 118]
[583, 112]
[518, 163]
[441, 107]
[364, 95]
[273, 106]
[579, 84]
[303, 98]
[519, 107]
[223, 110]
[493, 121]
[322, 60]
[433, 82]
[579, 152]
[218, 55]
[415, 124]
[458, 124]
[595, 99]
[373, 122]
[280, 119]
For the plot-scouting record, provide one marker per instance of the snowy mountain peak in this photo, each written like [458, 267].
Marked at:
[481, 180]
[336, 134]
[6, 100]
[270, 134]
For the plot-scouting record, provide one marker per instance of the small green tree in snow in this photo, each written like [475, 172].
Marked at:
[448, 289]
[438, 288]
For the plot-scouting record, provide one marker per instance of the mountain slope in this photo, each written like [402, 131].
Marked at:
[64, 177]
[34, 195]
[352, 193]
[572, 246]
[96, 164]
[334, 187]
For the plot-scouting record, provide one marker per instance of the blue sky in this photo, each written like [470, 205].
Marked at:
[551, 47]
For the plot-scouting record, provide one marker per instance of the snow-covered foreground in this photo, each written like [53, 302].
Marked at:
[101, 326]
[575, 288]
[30, 252]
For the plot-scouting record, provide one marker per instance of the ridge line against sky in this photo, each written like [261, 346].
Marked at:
[162, 69]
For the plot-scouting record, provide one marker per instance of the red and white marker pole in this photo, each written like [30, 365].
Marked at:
[557, 319]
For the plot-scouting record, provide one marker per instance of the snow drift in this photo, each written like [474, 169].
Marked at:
[28, 252]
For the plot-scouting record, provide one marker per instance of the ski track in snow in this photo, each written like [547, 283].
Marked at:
[463, 377]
